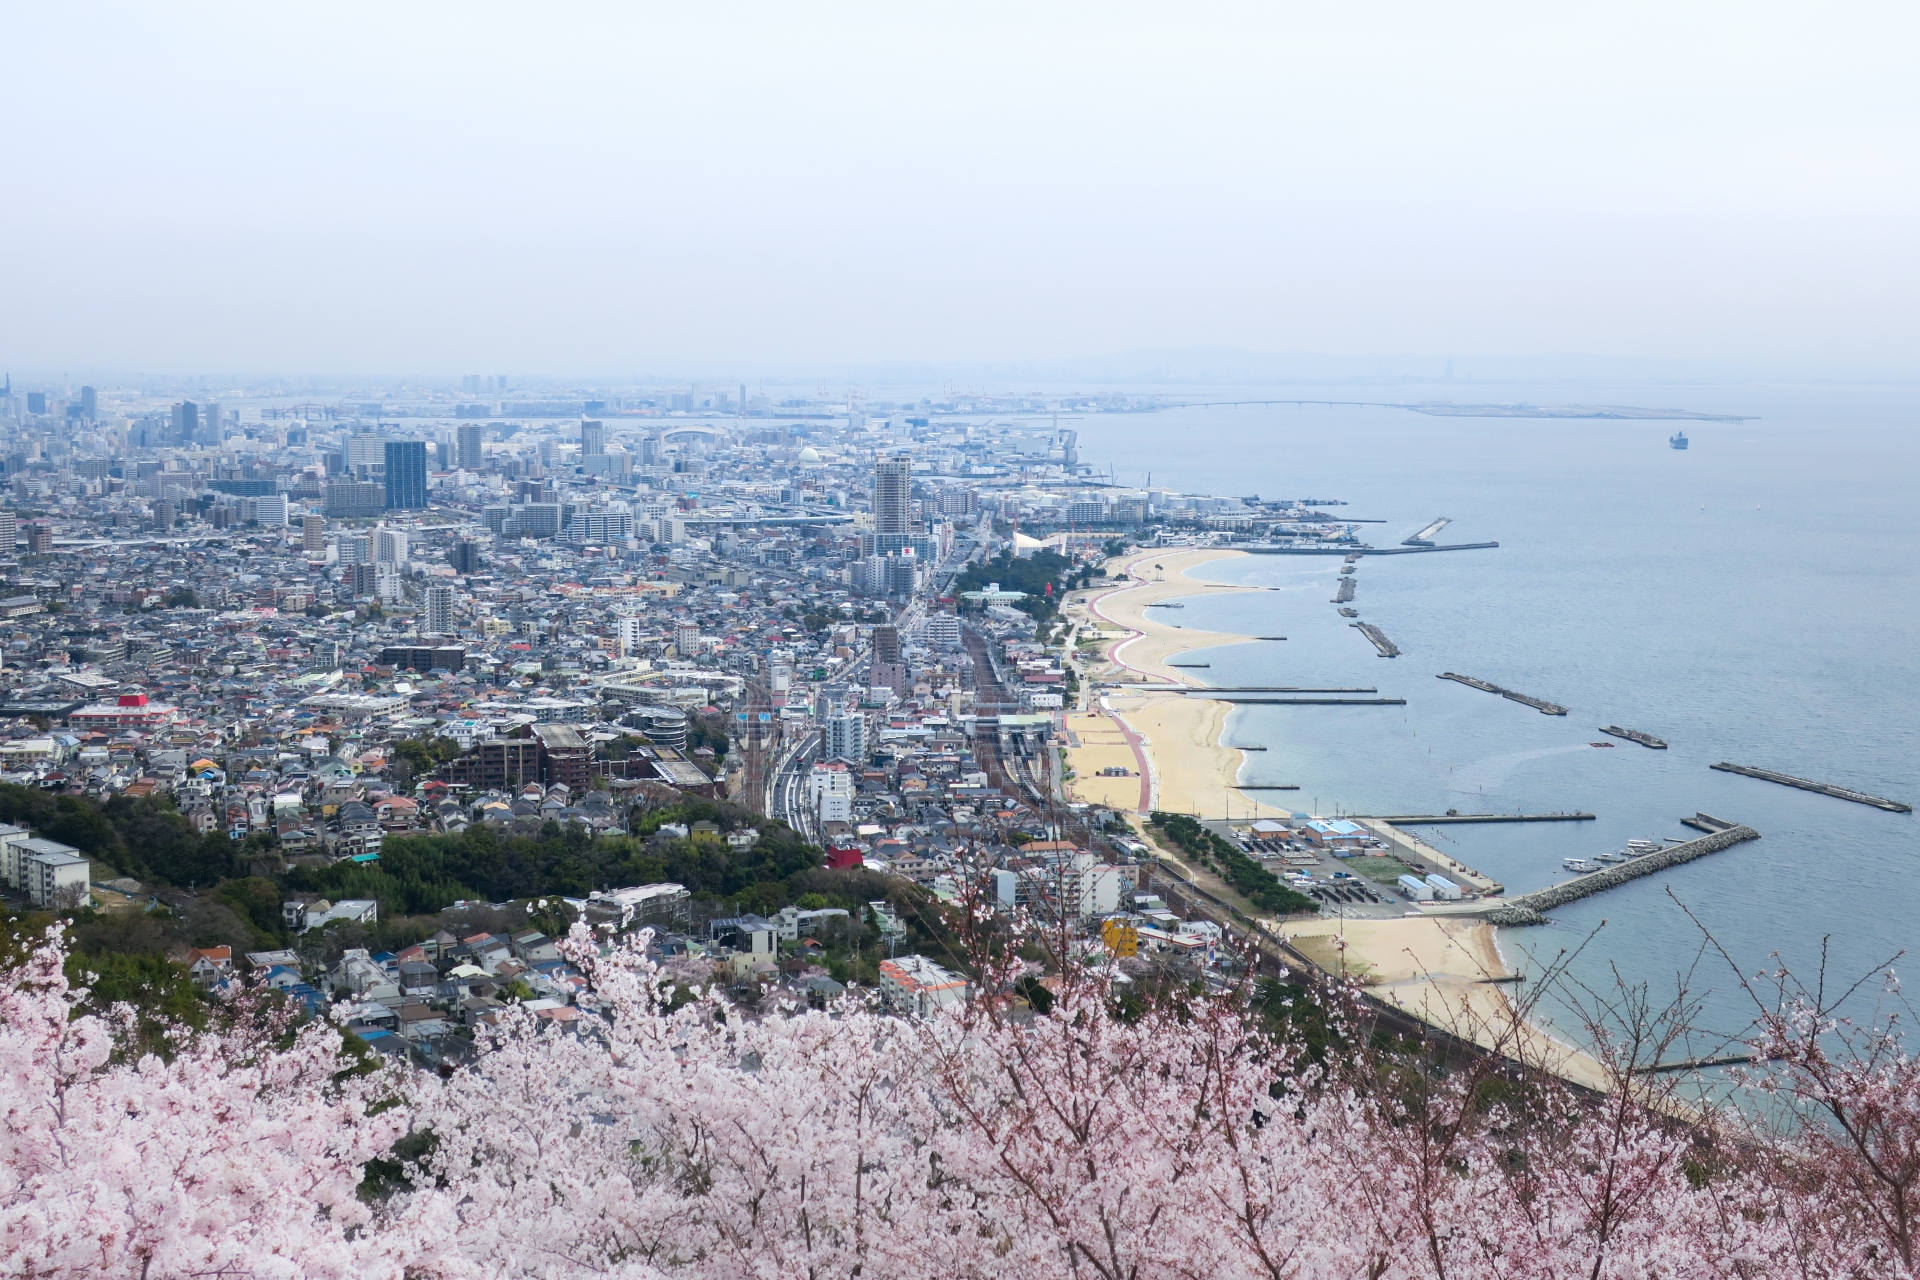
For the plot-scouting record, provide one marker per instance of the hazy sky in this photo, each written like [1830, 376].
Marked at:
[570, 187]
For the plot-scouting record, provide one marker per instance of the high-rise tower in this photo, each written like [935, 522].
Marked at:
[406, 475]
[471, 456]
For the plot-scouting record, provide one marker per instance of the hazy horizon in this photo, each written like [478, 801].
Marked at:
[1718, 192]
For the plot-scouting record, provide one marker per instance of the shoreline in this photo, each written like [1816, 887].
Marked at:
[1433, 966]
[1191, 771]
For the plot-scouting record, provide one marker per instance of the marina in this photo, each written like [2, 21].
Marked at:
[1825, 789]
[1544, 707]
[1634, 735]
[1531, 908]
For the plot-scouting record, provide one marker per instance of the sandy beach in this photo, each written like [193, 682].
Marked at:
[1439, 969]
[1436, 967]
[1171, 740]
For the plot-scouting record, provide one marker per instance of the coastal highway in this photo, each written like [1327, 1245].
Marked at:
[790, 786]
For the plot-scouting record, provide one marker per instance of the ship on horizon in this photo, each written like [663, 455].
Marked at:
[1678, 439]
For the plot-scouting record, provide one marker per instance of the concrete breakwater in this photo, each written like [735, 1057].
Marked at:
[1387, 648]
[1825, 789]
[1541, 705]
[1531, 908]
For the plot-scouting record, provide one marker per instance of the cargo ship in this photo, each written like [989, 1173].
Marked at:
[1678, 439]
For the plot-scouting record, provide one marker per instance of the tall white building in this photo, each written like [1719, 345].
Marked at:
[390, 546]
[844, 737]
[631, 630]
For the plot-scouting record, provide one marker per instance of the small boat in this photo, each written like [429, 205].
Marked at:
[1643, 846]
[1610, 857]
[1577, 864]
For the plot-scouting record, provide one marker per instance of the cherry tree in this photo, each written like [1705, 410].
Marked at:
[239, 1155]
[1175, 1138]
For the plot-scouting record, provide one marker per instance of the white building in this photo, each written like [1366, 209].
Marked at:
[390, 546]
[943, 631]
[844, 737]
[55, 876]
[270, 509]
[632, 632]
[11, 838]
[830, 792]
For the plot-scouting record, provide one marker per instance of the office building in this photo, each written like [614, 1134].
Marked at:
[886, 644]
[593, 438]
[270, 510]
[313, 534]
[472, 455]
[186, 421]
[390, 546]
[440, 611]
[366, 450]
[89, 404]
[464, 556]
[598, 528]
[406, 478]
[9, 531]
[943, 631]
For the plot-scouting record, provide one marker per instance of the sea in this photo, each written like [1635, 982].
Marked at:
[1751, 599]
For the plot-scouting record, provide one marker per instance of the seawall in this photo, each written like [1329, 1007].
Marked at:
[1531, 908]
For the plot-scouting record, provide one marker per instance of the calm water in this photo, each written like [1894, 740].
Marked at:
[1751, 599]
